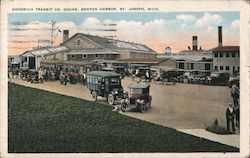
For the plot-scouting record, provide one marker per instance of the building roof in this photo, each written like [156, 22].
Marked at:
[139, 85]
[103, 73]
[45, 51]
[226, 49]
[65, 62]
[151, 61]
[114, 44]
[111, 61]
[93, 51]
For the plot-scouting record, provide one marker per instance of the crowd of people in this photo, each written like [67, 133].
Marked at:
[233, 110]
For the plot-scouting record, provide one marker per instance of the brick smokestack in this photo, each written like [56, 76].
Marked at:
[195, 43]
[65, 35]
[220, 36]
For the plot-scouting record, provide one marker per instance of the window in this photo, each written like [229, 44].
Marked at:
[207, 66]
[216, 55]
[135, 90]
[227, 55]
[96, 55]
[114, 81]
[78, 43]
[181, 65]
[221, 55]
[233, 54]
[192, 66]
[221, 67]
[227, 68]
[216, 68]
[84, 56]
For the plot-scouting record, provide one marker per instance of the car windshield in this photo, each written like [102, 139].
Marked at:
[214, 74]
[114, 81]
[135, 90]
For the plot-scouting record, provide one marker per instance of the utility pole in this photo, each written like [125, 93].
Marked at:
[52, 32]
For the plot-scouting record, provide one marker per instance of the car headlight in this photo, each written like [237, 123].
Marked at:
[138, 100]
[142, 101]
[126, 100]
[116, 92]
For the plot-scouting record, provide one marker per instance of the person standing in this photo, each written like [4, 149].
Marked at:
[235, 94]
[40, 75]
[84, 78]
[61, 77]
[66, 79]
[230, 112]
[237, 116]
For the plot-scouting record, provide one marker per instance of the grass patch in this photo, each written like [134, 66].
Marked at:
[45, 122]
[216, 128]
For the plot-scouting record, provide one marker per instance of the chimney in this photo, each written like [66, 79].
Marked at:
[195, 43]
[65, 35]
[220, 36]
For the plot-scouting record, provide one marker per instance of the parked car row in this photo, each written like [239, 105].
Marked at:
[171, 75]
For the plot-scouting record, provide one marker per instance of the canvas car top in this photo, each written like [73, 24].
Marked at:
[103, 73]
[138, 85]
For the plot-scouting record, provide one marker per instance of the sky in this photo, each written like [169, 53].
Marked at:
[157, 30]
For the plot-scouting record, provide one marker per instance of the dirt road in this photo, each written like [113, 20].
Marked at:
[182, 106]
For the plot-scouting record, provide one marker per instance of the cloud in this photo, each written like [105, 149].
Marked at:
[186, 18]
[208, 20]
[157, 33]
[235, 24]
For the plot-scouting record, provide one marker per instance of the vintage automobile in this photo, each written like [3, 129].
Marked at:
[138, 97]
[105, 84]
[219, 77]
[141, 74]
[32, 77]
[122, 74]
[234, 79]
[168, 75]
[24, 72]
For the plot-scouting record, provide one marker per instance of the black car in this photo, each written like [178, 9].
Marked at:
[138, 97]
[105, 84]
[168, 75]
[32, 77]
[221, 78]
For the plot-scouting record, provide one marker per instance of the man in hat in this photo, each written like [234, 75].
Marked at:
[230, 117]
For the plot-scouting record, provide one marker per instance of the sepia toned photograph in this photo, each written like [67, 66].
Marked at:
[88, 77]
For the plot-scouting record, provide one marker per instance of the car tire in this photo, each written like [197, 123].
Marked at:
[111, 99]
[143, 108]
[123, 107]
[148, 105]
[174, 81]
[185, 80]
[94, 96]
[165, 81]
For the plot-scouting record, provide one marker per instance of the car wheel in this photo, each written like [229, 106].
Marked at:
[111, 99]
[94, 96]
[123, 107]
[148, 105]
[174, 81]
[165, 81]
[143, 108]
[185, 80]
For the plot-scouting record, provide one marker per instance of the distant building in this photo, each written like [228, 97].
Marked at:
[189, 55]
[205, 65]
[167, 50]
[226, 58]
[85, 47]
